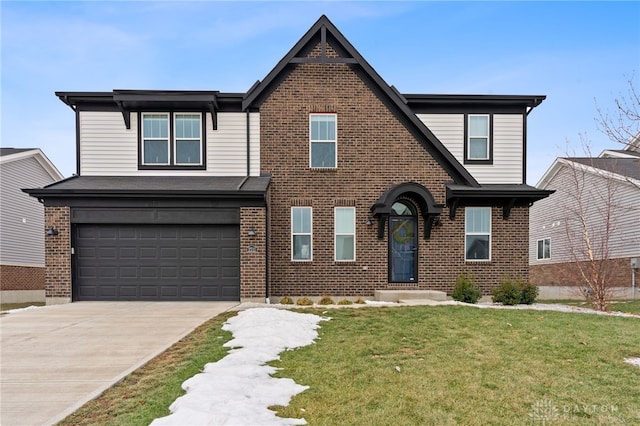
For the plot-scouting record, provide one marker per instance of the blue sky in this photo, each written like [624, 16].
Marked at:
[579, 54]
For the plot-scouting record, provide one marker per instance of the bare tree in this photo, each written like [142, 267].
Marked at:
[596, 213]
[622, 124]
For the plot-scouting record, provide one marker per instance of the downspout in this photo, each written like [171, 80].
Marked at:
[248, 144]
[266, 246]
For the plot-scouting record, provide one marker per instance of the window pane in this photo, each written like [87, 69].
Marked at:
[187, 126]
[323, 154]
[479, 125]
[156, 152]
[345, 220]
[547, 249]
[301, 220]
[344, 247]
[155, 126]
[401, 208]
[477, 247]
[540, 249]
[188, 152]
[323, 127]
[478, 148]
[478, 219]
[302, 247]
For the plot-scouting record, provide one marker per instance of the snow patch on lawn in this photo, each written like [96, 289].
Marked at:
[238, 389]
[633, 361]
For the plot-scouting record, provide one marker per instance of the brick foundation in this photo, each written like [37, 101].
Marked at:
[568, 274]
[21, 277]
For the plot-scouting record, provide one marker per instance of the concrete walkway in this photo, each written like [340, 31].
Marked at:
[56, 358]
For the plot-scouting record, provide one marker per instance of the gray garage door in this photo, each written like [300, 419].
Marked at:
[156, 262]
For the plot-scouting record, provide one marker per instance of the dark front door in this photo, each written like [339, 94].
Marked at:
[403, 249]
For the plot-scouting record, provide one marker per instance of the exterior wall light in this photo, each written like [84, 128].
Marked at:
[252, 232]
[52, 231]
[368, 222]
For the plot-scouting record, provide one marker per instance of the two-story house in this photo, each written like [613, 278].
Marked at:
[321, 179]
[22, 232]
[591, 221]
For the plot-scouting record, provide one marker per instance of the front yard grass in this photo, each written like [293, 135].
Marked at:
[422, 365]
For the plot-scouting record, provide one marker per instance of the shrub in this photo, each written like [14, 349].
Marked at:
[513, 292]
[466, 289]
[326, 300]
[529, 293]
[345, 302]
[304, 301]
[286, 301]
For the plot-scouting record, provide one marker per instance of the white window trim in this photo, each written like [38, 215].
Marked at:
[538, 252]
[175, 139]
[336, 234]
[310, 233]
[168, 138]
[477, 233]
[470, 136]
[335, 141]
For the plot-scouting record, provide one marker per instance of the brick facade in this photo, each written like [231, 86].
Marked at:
[253, 249]
[58, 253]
[375, 151]
[568, 274]
[21, 277]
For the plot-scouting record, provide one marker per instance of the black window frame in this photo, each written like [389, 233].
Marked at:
[468, 160]
[172, 140]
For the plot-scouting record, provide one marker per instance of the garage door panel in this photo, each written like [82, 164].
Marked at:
[157, 262]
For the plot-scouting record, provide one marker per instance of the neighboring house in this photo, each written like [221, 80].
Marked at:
[22, 231]
[320, 180]
[606, 189]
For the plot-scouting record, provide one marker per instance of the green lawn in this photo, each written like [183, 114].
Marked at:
[423, 366]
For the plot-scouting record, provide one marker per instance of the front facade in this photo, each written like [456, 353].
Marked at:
[591, 217]
[320, 180]
[22, 260]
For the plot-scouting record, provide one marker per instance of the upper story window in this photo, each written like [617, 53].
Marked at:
[478, 139]
[172, 140]
[477, 233]
[323, 141]
[544, 249]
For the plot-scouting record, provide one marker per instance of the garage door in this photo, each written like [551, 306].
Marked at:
[156, 262]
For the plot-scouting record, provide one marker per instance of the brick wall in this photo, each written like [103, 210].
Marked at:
[568, 274]
[21, 277]
[252, 253]
[58, 253]
[375, 151]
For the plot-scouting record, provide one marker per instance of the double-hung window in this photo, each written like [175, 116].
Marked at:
[301, 233]
[478, 139]
[478, 233]
[345, 233]
[544, 249]
[323, 141]
[172, 139]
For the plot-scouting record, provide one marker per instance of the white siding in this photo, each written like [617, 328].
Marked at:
[108, 148]
[22, 216]
[555, 217]
[508, 145]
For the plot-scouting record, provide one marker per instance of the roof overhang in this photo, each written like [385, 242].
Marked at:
[505, 196]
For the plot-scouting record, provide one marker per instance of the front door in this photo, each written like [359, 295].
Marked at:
[403, 244]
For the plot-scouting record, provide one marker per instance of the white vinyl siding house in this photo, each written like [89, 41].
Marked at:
[108, 148]
[553, 217]
[508, 145]
[22, 216]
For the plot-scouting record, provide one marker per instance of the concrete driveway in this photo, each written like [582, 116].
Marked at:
[56, 358]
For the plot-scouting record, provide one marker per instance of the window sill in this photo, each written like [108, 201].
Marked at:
[323, 169]
[169, 168]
